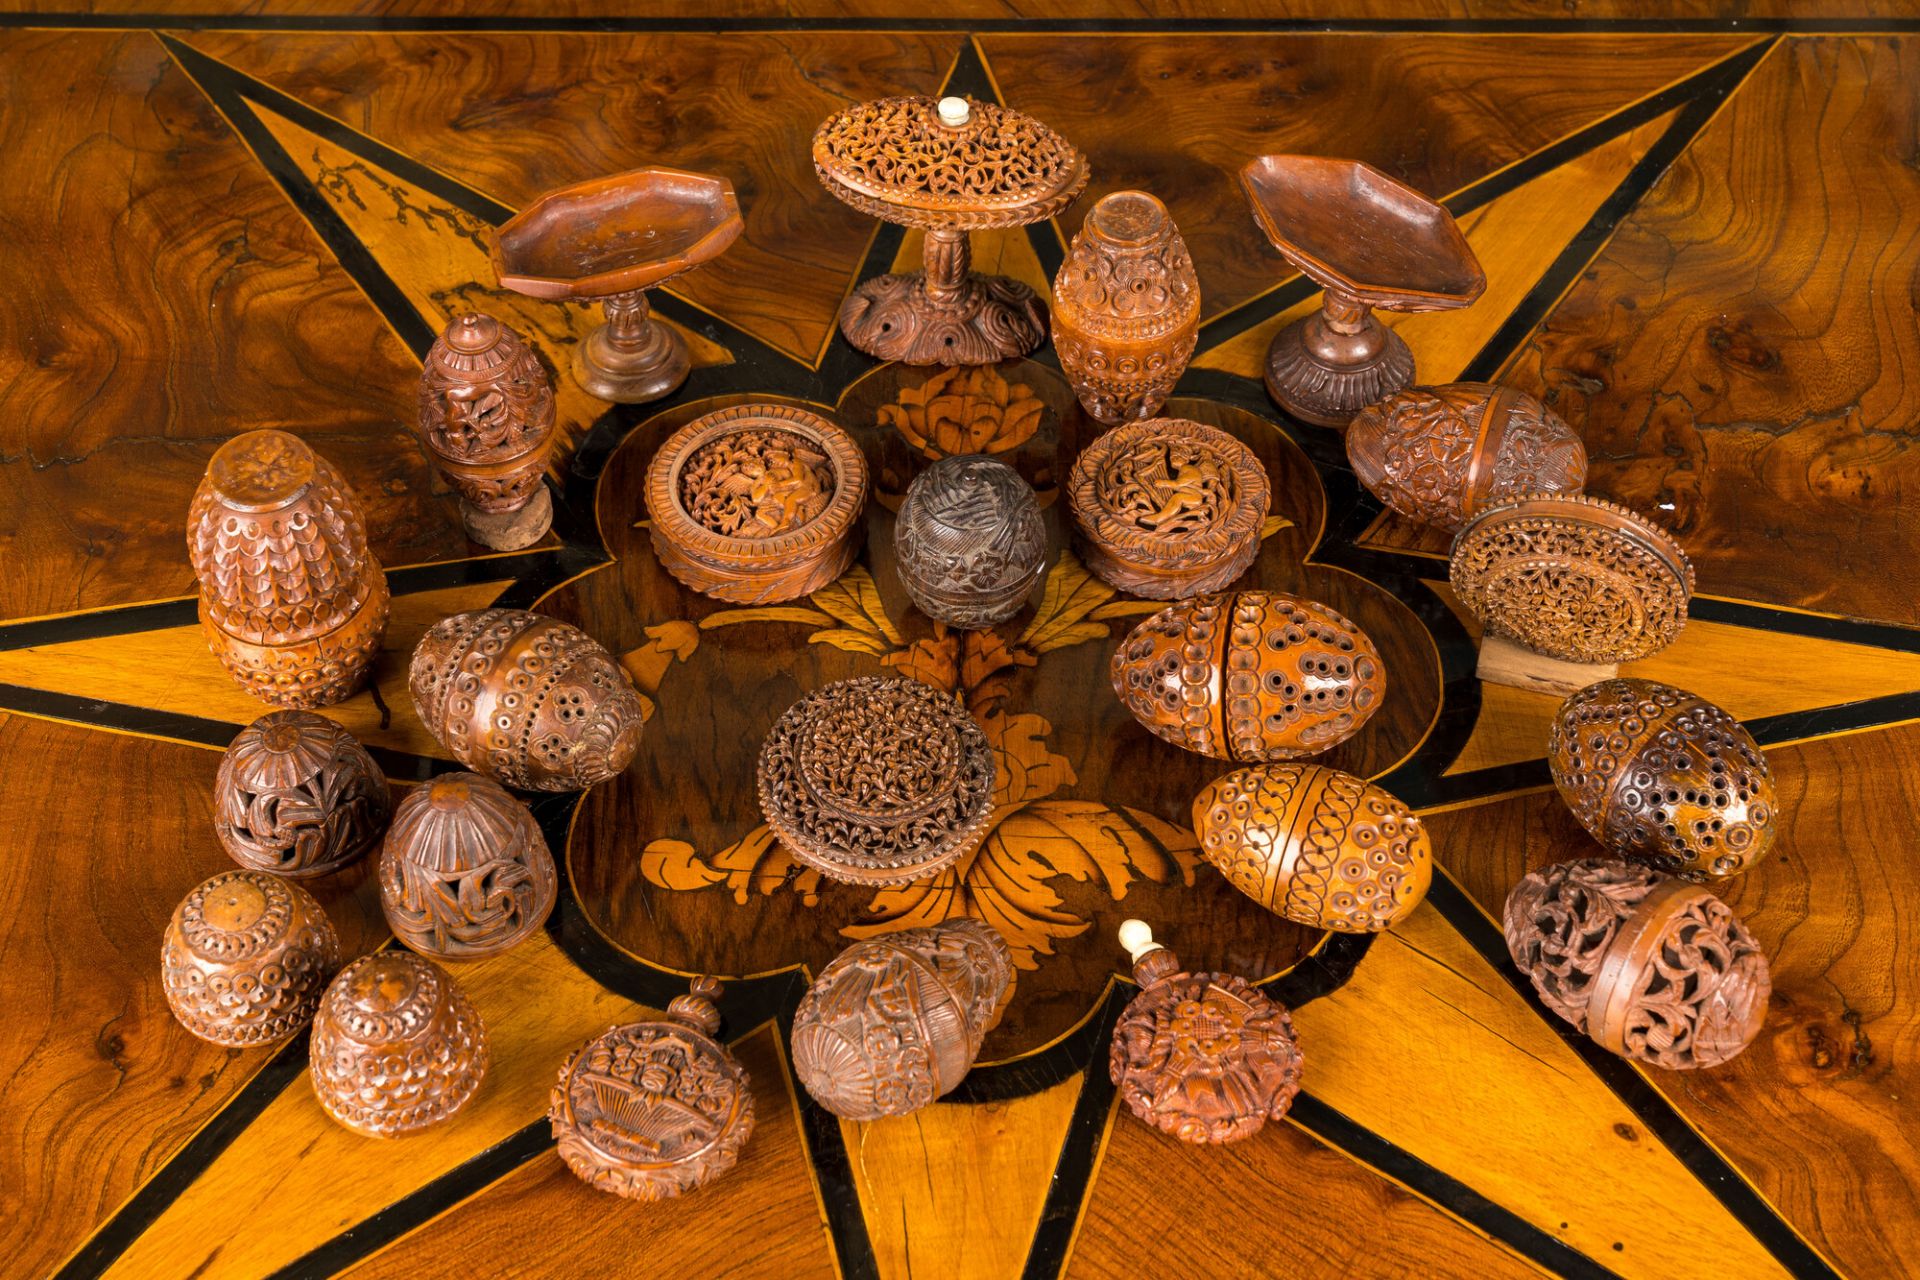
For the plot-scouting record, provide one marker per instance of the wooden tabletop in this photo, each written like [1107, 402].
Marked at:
[1702, 243]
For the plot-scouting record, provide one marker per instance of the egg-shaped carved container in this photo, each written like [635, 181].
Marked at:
[757, 503]
[1250, 676]
[651, 1110]
[1664, 777]
[969, 542]
[298, 796]
[245, 959]
[1322, 848]
[1440, 454]
[465, 871]
[525, 699]
[1649, 966]
[894, 1022]
[397, 1046]
[292, 602]
[1167, 508]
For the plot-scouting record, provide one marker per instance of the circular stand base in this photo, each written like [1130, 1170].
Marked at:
[510, 530]
[1329, 395]
[992, 319]
[632, 376]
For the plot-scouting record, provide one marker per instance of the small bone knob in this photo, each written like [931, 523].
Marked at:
[1137, 937]
[955, 112]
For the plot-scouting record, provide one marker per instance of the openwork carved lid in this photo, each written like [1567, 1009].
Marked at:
[285, 749]
[465, 871]
[1573, 577]
[483, 395]
[1168, 494]
[460, 821]
[893, 158]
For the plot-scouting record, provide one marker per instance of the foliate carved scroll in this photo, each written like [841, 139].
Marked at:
[757, 484]
[465, 871]
[245, 959]
[969, 542]
[298, 796]
[397, 1046]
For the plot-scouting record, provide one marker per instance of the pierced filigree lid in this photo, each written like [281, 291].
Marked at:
[1168, 492]
[459, 821]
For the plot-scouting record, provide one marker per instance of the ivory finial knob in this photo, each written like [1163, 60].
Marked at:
[1137, 937]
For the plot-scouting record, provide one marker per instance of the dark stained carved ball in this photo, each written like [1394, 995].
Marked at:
[969, 541]
[465, 871]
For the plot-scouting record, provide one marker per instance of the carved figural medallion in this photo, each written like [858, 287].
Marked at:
[1207, 1057]
[969, 541]
[1168, 508]
[291, 600]
[296, 795]
[397, 1046]
[1126, 308]
[1440, 454]
[877, 781]
[949, 168]
[465, 871]
[1649, 966]
[650, 1110]
[1250, 675]
[486, 420]
[894, 1022]
[526, 700]
[757, 503]
[1573, 577]
[1664, 777]
[1322, 848]
[245, 959]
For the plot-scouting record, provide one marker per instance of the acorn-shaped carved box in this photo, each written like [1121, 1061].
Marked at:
[465, 871]
[525, 699]
[1322, 848]
[894, 1022]
[298, 796]
[1207, 1057]
[486, 419]
[291, 600]
[1651, 967]
[1663, 776]
[397, 1046]
[969, 541]
[1250, 675]
[245, 958]
[650, 1110]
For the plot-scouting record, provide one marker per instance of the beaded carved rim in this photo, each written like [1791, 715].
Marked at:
[757, 557]
[1128, 542]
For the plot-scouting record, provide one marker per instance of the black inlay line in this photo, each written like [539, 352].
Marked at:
[1756, 615]
[1079, 1151]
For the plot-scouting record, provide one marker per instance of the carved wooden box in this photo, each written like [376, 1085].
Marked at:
[296, 795]
[969, 542]
[397, 1046]
[245, 959]
[465, 871]
[486, 417]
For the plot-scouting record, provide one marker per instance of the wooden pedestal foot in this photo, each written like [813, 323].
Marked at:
[985, 320]
[510, 530]
[1504, 662]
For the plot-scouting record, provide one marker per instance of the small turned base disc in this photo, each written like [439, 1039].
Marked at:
[510, 530]
[1329, 395]
[607, 372]
[993, 319]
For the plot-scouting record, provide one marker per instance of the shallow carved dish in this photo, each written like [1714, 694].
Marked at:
[486, 417]
[1573, 577]
[969, 542]
[1250, 675]
[465, 871]
[1168, 508]
[245, 958]
[522, 698]
[1207, 1057]
[1649, 966]
[296, 795]
[894, 1022]
[757, 503]
[650, 1110]
[877, 781]
[1320, 847]
[1440, 454]
[1664, 777]
[397, 1046]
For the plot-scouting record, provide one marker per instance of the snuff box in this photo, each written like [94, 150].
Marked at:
[298, 796]
[245, 958]
[969, 542]
[397, 1046]
[465, 871]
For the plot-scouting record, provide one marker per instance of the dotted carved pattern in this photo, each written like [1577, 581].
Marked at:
[1665, 777]
[1126, 313]
[298, 796]
[895, 1022]
[756, 484]
[397, 1046]
[245, 959]
[969, 541]
[465, 871]
[1677, 980]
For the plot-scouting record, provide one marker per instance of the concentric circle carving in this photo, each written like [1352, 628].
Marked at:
[245, 958]
[397, 1046]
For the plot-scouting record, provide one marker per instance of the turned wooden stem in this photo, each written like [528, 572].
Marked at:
[629, 317]
[1344, 331]
[948, 257]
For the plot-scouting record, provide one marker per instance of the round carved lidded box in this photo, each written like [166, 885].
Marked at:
[486, 415]
[969, 541]
[894, 1022]
[397, 1046]
[1250, 675]
[245, 958]
[1322, 848]
[298, 796]
[1649, 966]
[1168, 508]
[877, 780]
[525, 699]
[1664, 777]
[292, 602]
[1573, 577]
[465, 871]
[650, 1110]
[1440, 454]
[757, 503]
[1206, 1057]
